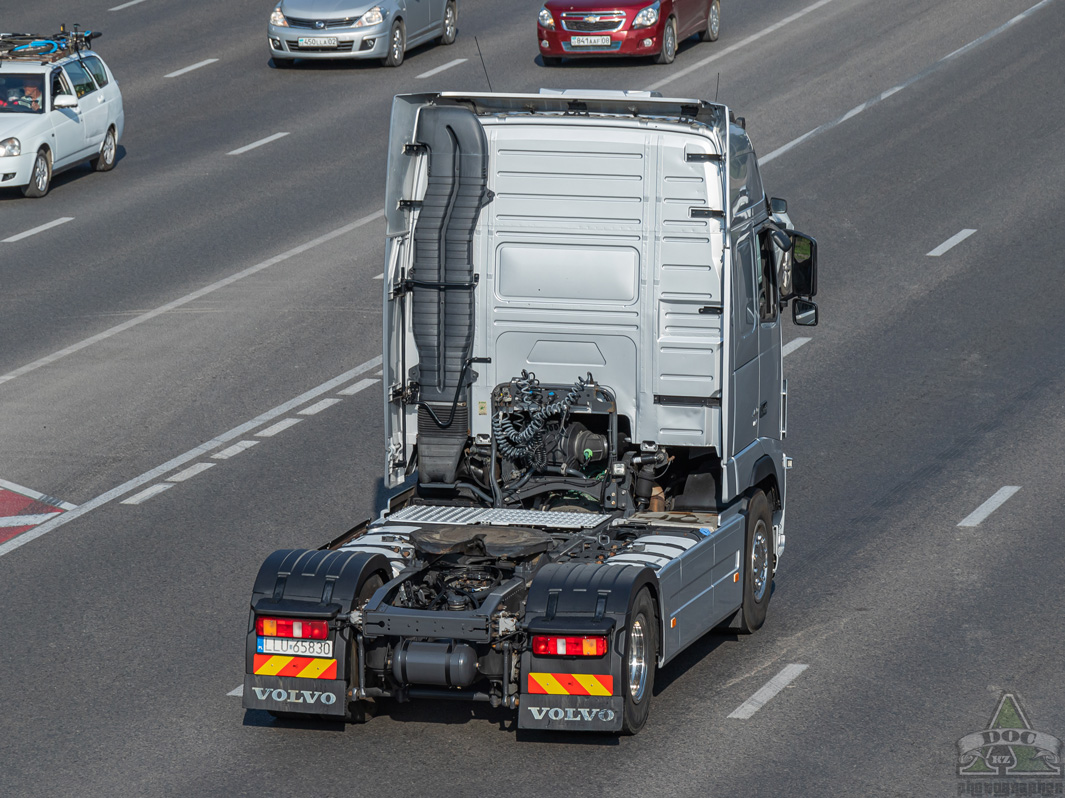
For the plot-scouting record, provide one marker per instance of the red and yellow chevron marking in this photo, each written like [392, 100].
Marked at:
[571, 684]
[302, 667]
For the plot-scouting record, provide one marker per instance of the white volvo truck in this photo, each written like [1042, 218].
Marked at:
[585, 413]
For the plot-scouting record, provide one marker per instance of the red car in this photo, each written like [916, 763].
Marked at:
[572, 28]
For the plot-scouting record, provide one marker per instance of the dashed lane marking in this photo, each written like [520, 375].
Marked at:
[191, 471]
[151, 314]
[853, 112]
[792, 345]
[698, 65]
[126, 5]
[984, 510]
[259, 143]
[192, 454]
[198, 65]
[950, 243]
[351, 390]
[147, 493]
[234, 450]
[280, 426]
[771, 688]
[440, 69]
[318, 407]
[36, 230]
[237, 691]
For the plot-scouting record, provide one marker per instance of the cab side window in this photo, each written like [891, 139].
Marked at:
[82, 80]
[767, 279]
[96, 67]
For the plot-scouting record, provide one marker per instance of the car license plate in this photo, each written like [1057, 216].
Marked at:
[295, 648]
[589, 41]
[318, 41]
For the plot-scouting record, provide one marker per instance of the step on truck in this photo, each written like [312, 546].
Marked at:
[584, 415]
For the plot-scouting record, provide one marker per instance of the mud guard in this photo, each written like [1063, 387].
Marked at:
[579, 693]
[301, 583]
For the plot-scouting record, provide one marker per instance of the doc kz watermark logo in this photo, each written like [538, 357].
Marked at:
[1009, 757]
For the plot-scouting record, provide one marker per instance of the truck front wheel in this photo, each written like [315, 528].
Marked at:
[758, 576]
[638, 666]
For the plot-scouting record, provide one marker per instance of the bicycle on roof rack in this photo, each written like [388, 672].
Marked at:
[46, 49]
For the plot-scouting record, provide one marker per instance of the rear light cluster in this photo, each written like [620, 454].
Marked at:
[583, 646]
[289, 627]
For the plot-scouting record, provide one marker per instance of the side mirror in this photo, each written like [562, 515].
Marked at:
[804, 313]
[803, 265]
[65, 101]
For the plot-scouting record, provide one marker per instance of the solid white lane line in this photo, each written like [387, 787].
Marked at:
[351, 390]
[738, 45]
[191, 454]
[237, 691]
[36, 230]
[318, 407]
[280, 426]
[258, 143]
[234, 450]
[440, 69]
[9, 521]
[147, 493]
[905, 84]
[951, 242]
[984, 510]
[151, 314]
[36, 494]
[191, 471]
[190, 68]
[126, 5]
[792, 345]
[771, 688]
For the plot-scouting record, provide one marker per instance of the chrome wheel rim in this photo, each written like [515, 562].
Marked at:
[449, 21]
[40, 173]
[109, 148]
[760, 561]
[670, 45]
[637, 660]
[397, 44]
[715, 19]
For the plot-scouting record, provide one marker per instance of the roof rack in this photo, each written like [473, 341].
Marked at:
[29, 47]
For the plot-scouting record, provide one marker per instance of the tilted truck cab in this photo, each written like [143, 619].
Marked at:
[584, 410]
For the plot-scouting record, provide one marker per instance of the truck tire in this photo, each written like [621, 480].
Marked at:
[757, 570]
[638, 665]
[362, 710]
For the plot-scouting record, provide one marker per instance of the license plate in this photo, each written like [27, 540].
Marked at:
[589, 41]
[295, 648]
[318, 41]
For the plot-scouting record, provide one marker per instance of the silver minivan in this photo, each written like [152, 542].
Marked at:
[333, 29]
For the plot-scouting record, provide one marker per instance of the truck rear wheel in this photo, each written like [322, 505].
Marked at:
[758, 575]
[638, 665]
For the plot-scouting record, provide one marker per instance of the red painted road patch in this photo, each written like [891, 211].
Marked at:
[20, 513]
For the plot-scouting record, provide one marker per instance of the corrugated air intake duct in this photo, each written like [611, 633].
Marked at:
[443, 284]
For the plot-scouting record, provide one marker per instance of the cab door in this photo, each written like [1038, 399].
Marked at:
[743, 382]
[769, 368]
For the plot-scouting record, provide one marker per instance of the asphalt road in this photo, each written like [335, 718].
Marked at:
[129, 352]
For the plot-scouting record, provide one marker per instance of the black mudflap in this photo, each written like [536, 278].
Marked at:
[309, 696]
[571, 712]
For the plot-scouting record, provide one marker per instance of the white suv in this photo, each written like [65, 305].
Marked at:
[59, 107]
